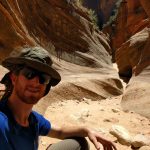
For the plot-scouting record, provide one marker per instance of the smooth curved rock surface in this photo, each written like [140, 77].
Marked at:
[61, 23]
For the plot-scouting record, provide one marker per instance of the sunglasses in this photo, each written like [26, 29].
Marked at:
[30, 73]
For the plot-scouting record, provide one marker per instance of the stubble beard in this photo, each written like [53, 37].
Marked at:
[26, 97]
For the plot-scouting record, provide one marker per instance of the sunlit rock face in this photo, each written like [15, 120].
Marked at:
[133, 58]
[127, 30]
[62, 23]
[131, 18]
[137, 94]
[67, 26]
[130, 42]
[133, 61]
[13, 33]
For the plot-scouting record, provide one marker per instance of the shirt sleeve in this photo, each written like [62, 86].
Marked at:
[44, 125]
[3, 122]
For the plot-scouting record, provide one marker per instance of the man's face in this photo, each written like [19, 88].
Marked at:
[29, 91]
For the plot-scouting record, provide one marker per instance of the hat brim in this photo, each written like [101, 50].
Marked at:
[9, 62]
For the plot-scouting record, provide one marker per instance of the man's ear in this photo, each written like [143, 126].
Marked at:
[13, 78]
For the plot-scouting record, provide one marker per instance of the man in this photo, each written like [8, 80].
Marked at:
[30, 77]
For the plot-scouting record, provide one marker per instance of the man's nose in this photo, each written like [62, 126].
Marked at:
[35, 80]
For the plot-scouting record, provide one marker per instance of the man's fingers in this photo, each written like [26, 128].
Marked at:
[97, 140]
[96, 144]
[114, 147]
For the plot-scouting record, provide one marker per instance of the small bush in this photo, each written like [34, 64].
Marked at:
[93, 17]
[91, 12]
[113, 14]
[81, 2]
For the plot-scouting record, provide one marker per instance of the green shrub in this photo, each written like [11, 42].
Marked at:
[93, 17]
[81, 2]
[114, 14]
[91, 12]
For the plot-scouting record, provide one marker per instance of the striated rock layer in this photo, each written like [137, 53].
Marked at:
[65, 29]
[137, 93]
[131, 41]
[61, 23]
[131, 19]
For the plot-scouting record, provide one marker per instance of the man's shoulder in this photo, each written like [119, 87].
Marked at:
[3, 117]
[3, 120]
[44, 125]
[38, 116]
[41, 119]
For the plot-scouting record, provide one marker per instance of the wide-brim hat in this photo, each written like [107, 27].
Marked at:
[36, 58]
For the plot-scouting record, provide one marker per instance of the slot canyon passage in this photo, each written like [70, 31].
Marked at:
[105, 73]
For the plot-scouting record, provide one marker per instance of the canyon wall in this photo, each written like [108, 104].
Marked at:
[62, 24]
[137, 94]
[65, 29]
[130, 42]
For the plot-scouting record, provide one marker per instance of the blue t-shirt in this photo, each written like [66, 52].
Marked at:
[16, 137]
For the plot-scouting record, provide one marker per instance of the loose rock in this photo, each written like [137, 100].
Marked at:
[122, 134]
[145, 148]
[140, 140]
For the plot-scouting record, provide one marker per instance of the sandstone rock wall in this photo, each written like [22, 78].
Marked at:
[61, 23]
[13, 33]
[65, 29]
[132, 54]
[131, 19]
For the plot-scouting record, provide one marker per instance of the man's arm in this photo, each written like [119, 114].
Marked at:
[72, 131]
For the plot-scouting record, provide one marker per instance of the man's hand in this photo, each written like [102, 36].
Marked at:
[96, 139]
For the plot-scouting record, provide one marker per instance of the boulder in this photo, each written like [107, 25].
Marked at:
[137, 94]
[145, 148]
[140, 140]
[121, 134]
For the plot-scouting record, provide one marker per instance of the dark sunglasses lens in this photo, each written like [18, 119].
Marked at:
[28, 73]
[44, 79]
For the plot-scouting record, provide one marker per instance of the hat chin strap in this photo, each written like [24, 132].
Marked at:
[48, 87]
